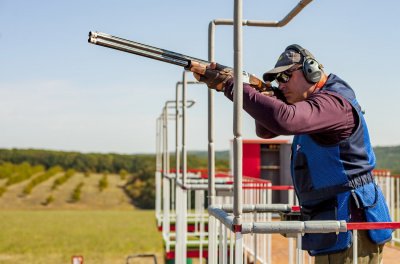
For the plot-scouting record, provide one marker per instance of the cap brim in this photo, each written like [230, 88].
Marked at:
[269, 76]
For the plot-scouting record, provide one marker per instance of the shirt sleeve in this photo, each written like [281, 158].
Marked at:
[323, 114]
[263, 132]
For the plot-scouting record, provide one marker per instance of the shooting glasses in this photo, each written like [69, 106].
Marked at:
[284, 77]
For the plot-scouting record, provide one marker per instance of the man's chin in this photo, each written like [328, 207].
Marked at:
[289, 100]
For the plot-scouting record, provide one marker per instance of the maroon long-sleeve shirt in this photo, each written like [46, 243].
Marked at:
[327, 117]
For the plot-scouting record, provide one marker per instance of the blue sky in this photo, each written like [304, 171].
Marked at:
[59, 92]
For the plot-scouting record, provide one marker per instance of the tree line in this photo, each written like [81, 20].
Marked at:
[90, 162]
[99, 163]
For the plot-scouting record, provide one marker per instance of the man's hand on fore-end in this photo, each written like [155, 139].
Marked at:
[215, 76]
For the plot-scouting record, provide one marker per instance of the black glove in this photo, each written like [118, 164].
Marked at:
[215, 76]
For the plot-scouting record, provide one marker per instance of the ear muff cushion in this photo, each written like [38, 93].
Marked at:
[312, 71]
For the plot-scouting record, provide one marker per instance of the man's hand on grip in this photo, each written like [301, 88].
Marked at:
[214, 75]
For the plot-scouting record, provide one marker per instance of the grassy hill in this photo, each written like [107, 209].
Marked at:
[90, 195]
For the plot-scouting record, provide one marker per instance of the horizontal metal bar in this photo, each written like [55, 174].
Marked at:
[222, 216]
[259, 208]
[287, 227]
[169, 176]
[294, 227]
[203, 181]
[220, 187]
[191, 242]
[257, 23]
[205, 234]
[373, 225]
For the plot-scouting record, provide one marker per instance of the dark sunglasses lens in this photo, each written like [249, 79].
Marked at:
[282, 77]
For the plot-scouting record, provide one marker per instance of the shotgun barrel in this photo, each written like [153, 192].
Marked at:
[140, 49]
[188, 62]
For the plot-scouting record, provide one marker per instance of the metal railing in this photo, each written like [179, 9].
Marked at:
[390, 185]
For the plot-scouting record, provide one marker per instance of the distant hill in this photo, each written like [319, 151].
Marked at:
[221, 155]
[388, 158]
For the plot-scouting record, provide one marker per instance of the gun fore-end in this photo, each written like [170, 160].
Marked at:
[197, 67]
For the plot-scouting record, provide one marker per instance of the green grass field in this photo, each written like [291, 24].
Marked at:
[54, 236]
[102, 225]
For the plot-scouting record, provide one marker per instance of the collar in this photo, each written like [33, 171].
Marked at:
[321, 82]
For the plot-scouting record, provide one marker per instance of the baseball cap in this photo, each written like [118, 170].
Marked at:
[286, 60]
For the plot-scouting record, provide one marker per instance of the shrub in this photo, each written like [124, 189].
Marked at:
[3, 189]
[63, 179]
[123, 174]
[48, 200]
[76, 193]
[103, 183]
[141, 189]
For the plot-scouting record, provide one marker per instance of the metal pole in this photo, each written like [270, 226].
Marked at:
[237, 129]
[269, 219]
[299, 259]
[166, 141]
[212, 233]
[175, 187]
[184, 151]
[184, 170]
[201, 211]
[397, 210]
[178, 225]
[178, 229]
[211, 149]
[166, 189]
[355, 246]
[158, 170]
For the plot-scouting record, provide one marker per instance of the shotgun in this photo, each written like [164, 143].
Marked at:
[188, 62]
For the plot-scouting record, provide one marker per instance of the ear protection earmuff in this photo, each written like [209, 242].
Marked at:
[312, 70]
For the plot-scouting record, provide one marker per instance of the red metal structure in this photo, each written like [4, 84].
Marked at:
[268, 159]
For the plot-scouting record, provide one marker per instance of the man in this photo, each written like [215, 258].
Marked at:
[332, 157]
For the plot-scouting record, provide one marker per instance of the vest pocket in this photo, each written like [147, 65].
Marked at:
[373, 202]
[326, 210]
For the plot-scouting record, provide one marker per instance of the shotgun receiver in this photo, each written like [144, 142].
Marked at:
[189, 63]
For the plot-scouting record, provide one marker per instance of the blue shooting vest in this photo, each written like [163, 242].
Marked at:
[327, 177]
